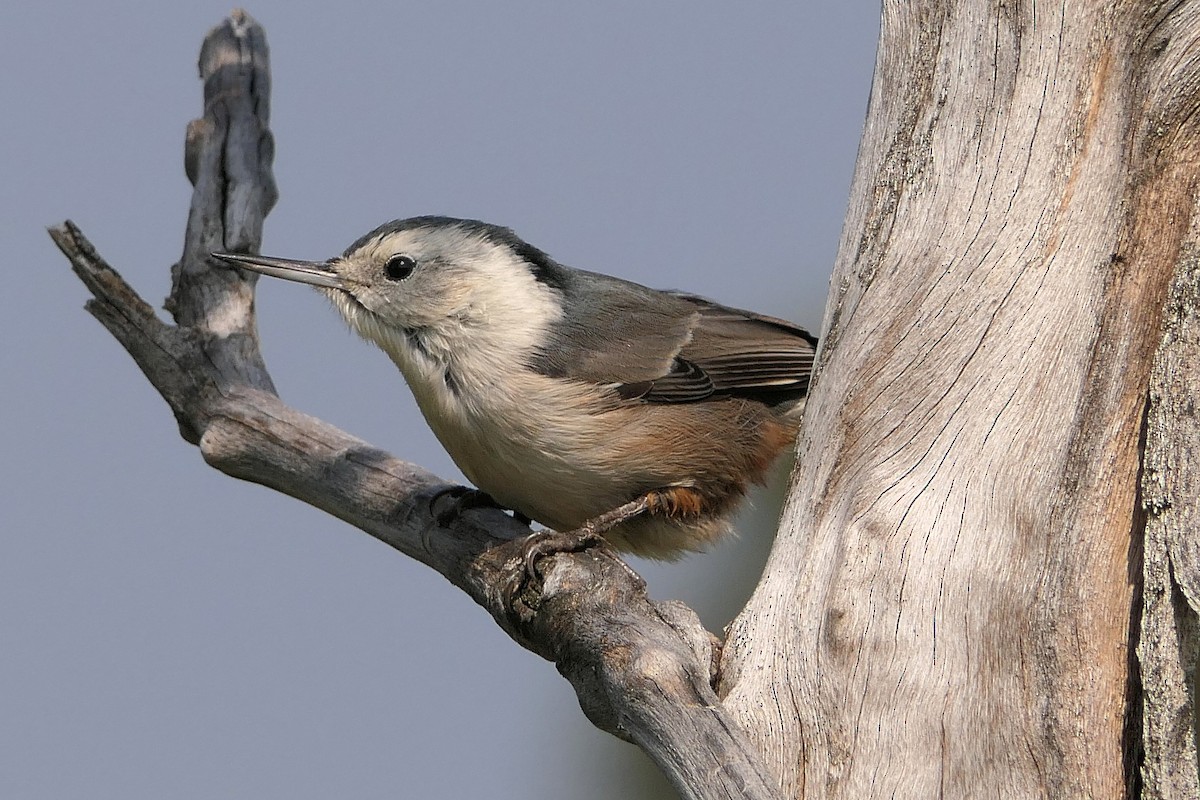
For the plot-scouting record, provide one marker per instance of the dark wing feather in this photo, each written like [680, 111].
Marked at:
[740, 353]
[669, 347]
[685, 383]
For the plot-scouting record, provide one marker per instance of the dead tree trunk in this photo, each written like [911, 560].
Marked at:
[1004, 428]
[953, 603]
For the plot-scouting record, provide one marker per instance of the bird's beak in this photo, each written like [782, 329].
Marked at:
[314, 273]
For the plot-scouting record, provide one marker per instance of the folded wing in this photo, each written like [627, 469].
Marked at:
[676, 348]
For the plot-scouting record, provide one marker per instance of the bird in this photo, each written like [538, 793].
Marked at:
[574, 399]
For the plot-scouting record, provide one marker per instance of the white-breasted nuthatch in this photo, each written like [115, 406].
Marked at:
[565, 394]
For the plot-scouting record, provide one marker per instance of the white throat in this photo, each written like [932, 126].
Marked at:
[477, 353]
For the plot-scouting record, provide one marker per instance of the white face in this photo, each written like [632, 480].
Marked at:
[424, 277]
[456, 286]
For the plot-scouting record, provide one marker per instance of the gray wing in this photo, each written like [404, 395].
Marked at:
[736, 352]
[669, 347]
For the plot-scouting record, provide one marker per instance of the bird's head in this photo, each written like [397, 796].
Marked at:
[436, 274]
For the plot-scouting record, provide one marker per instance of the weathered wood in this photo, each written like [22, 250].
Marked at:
[949, 607]
[642, 669]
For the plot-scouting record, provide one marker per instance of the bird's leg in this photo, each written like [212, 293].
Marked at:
[672, 501]
[589, 534]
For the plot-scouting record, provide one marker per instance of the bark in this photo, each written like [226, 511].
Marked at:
[1170, 638]
[951, 607]
[642, 670]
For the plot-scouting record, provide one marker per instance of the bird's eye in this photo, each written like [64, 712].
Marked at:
[399, 267]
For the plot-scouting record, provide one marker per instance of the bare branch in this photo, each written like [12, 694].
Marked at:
[641, 669]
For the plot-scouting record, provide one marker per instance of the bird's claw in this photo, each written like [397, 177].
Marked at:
[540, 544]
[589, 534]
[544, 543]
[464, 498]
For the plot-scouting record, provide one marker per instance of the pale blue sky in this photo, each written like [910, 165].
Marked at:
[166, 631]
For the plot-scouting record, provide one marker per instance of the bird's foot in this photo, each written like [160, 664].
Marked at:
[590, 534]
[540, 544]
[460, 499]
[464, 498]
[537, 545]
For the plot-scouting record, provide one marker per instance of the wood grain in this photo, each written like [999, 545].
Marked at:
[950, 607]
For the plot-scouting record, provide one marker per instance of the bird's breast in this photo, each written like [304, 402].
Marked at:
[536, 444]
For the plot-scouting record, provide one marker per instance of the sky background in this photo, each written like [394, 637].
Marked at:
[166, 631]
